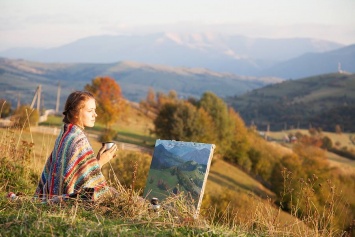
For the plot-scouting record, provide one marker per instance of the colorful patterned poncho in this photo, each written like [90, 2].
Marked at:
[71, 167]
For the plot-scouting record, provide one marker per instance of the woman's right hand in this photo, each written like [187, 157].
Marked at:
[105, 156]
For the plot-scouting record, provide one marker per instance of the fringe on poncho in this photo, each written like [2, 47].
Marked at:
[71, 167]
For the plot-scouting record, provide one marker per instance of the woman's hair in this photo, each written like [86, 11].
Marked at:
[74, 103]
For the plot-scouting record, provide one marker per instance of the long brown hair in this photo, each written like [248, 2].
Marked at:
[74, 103]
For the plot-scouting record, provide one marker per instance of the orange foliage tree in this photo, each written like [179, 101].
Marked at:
[110, 101]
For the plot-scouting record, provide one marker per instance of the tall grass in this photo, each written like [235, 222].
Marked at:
[319, 219]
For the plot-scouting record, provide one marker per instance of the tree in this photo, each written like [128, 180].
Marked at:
[218, 110]
[162, 98]
[327, 143]
[109, 98]
[203, 127]
[338, 129]
[237, 151]
[183, 122]
[163, 123]
[149, 104]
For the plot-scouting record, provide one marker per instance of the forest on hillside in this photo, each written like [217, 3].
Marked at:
[324, 102]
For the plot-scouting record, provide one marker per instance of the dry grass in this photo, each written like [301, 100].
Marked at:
[223, 175]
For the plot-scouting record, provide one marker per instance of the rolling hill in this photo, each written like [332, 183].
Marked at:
[322, 101]
[20, 78]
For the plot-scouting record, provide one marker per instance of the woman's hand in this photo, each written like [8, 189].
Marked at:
[105, 156]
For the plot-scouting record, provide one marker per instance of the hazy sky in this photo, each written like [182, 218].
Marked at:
[50, 23]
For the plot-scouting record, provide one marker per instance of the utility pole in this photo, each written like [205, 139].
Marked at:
[37, 97]
[18, 100]
[58, 99]
[267, 131]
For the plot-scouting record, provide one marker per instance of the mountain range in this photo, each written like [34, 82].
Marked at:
[19, 78]
[221, 53]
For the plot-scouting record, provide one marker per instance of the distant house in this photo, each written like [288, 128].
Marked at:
[6, 122]
[293, 139]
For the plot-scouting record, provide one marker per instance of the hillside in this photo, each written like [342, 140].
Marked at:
[321, 101]
[223, 178]
[20, 78]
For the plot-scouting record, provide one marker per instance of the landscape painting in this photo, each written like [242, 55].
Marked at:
[177, 167]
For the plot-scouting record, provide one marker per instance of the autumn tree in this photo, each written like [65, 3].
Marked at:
[203, 127]
[150, 103]
[238, 146]
[338, 129]
[327, 143]
[171, 97]
[218, 110]
[154, 102]
[109, 98]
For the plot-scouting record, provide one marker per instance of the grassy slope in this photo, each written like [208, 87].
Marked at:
[223, 175]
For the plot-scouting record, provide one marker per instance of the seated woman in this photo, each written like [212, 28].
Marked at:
[72, 168]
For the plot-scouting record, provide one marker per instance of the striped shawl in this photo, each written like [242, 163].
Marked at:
[71, 167]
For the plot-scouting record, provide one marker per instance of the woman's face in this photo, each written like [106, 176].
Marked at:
[88, 114]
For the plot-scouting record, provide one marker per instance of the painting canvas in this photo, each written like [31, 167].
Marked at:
[179, 167]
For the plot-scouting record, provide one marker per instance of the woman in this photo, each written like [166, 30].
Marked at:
[72, 168]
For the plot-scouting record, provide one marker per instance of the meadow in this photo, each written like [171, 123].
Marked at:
[251, 213]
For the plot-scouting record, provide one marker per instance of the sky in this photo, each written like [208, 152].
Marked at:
[51, 23]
